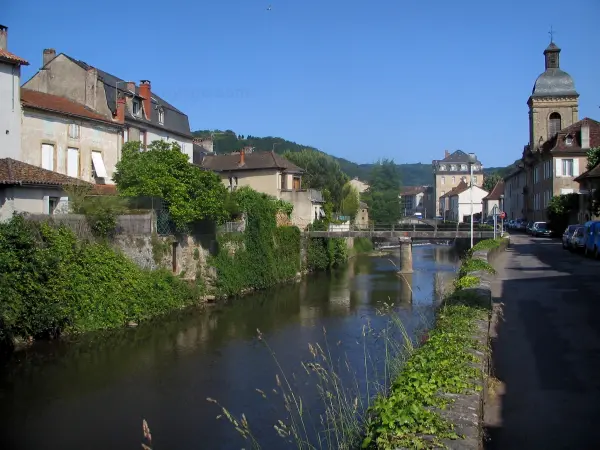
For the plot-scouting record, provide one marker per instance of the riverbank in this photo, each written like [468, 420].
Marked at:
[441, 382]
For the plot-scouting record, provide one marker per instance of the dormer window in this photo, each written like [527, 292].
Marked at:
[463, 167]
[569, 140]
[442, 167]
[452, 167]
[137, 107]
[161, 116]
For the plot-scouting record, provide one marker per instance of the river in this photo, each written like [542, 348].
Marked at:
[94, 393]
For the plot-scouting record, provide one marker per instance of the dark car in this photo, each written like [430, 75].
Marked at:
[541, 229]
[567, 235]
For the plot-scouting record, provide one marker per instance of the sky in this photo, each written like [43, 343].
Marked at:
[398, 79]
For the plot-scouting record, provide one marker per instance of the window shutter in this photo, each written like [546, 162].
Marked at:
[558, 167]
[575, 167]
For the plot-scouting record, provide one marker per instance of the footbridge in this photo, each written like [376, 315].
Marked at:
[405, 233]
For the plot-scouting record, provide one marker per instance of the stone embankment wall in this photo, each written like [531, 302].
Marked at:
[186, 256]
[466, 410]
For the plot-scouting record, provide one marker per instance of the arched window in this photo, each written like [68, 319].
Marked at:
[553, 124]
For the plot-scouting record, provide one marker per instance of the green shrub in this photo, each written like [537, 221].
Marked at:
[475, 265]
[53, 283]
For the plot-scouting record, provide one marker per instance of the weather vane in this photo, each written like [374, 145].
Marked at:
[551, 33]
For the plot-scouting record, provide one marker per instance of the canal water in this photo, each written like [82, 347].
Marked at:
[95, 392]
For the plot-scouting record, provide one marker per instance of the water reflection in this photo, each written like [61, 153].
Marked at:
[93, 393]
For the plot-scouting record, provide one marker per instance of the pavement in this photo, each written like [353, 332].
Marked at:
[545, 349]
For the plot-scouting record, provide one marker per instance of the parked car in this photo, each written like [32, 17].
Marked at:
[522, 225]
[592, 238]
[568, 234]
[577, 243]
[541, 229]
[529, 226]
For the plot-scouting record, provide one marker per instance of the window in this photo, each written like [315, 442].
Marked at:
[73, 131]
[553, 124]
[98, 169]
[143, 139]
[463, 167]
[296, 183]
[48, 156]
[474, 179]
[443, 180]
[453, 180]
[126, 135]
[442, 167]
[567, 167]
[136, 108]
[452, 167]
[73, 162]
[569, 140]
[52, 204]
[161, 116]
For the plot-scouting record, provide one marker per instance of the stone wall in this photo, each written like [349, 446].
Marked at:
[186, 256]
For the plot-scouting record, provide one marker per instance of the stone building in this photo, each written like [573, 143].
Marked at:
[10, 107]
[558, 142]
[450, 171]
[147, 117]
[412, 200]
[514, 200]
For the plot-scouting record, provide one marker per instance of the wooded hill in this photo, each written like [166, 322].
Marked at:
[416, 174]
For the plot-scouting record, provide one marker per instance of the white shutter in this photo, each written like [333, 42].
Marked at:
[575, 167]
[558, 167]
[99, 165]
[48, 156]
[73, 162]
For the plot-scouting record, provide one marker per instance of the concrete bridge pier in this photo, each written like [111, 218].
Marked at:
[406, 260]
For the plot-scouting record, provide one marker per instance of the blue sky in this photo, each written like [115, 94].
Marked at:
[360, 80]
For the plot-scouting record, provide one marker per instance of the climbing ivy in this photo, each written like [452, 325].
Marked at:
[261, 256]
[325, 253]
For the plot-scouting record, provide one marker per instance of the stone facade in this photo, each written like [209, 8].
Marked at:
[450, 171]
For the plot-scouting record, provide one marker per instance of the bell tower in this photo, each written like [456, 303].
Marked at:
[553, 104]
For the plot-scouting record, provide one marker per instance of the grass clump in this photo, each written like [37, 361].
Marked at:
[475, 265]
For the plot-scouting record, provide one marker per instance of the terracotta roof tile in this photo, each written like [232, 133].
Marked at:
[496, 192]
[252, 161]
[17, 172]
[54, 103]
[460, 188]
[412, 190]
[104, 189]
[558, 143]
[5, 55]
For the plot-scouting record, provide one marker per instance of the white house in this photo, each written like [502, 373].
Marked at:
[10, 106]
[460, 199]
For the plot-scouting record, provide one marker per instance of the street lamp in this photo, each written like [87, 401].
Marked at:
[502, 215]
[472, 161]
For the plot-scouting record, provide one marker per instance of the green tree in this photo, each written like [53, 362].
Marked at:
[191, 194]
[382, 195]
[561, 210]
[593, 158]
[489, 181]
[350, 201]
[322, 172]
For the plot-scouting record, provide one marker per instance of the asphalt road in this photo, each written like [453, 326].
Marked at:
[547, 349]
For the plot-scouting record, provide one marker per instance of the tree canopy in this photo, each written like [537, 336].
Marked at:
[593, 158]
[382, 195]
[490, 181]
[163, 171]
[322, 172]
[350, 200]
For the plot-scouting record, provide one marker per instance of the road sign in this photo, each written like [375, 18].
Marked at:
[503, 215]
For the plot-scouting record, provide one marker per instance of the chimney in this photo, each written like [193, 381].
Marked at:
[146, 94]
[446, 153]
[243, 157]
[91, 82]
[120, 115]
[3, 37]
[131, 86]
[48, 55]
[585, 135]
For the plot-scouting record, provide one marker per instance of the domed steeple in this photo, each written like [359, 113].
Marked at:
[553, 103]
[554, 82]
